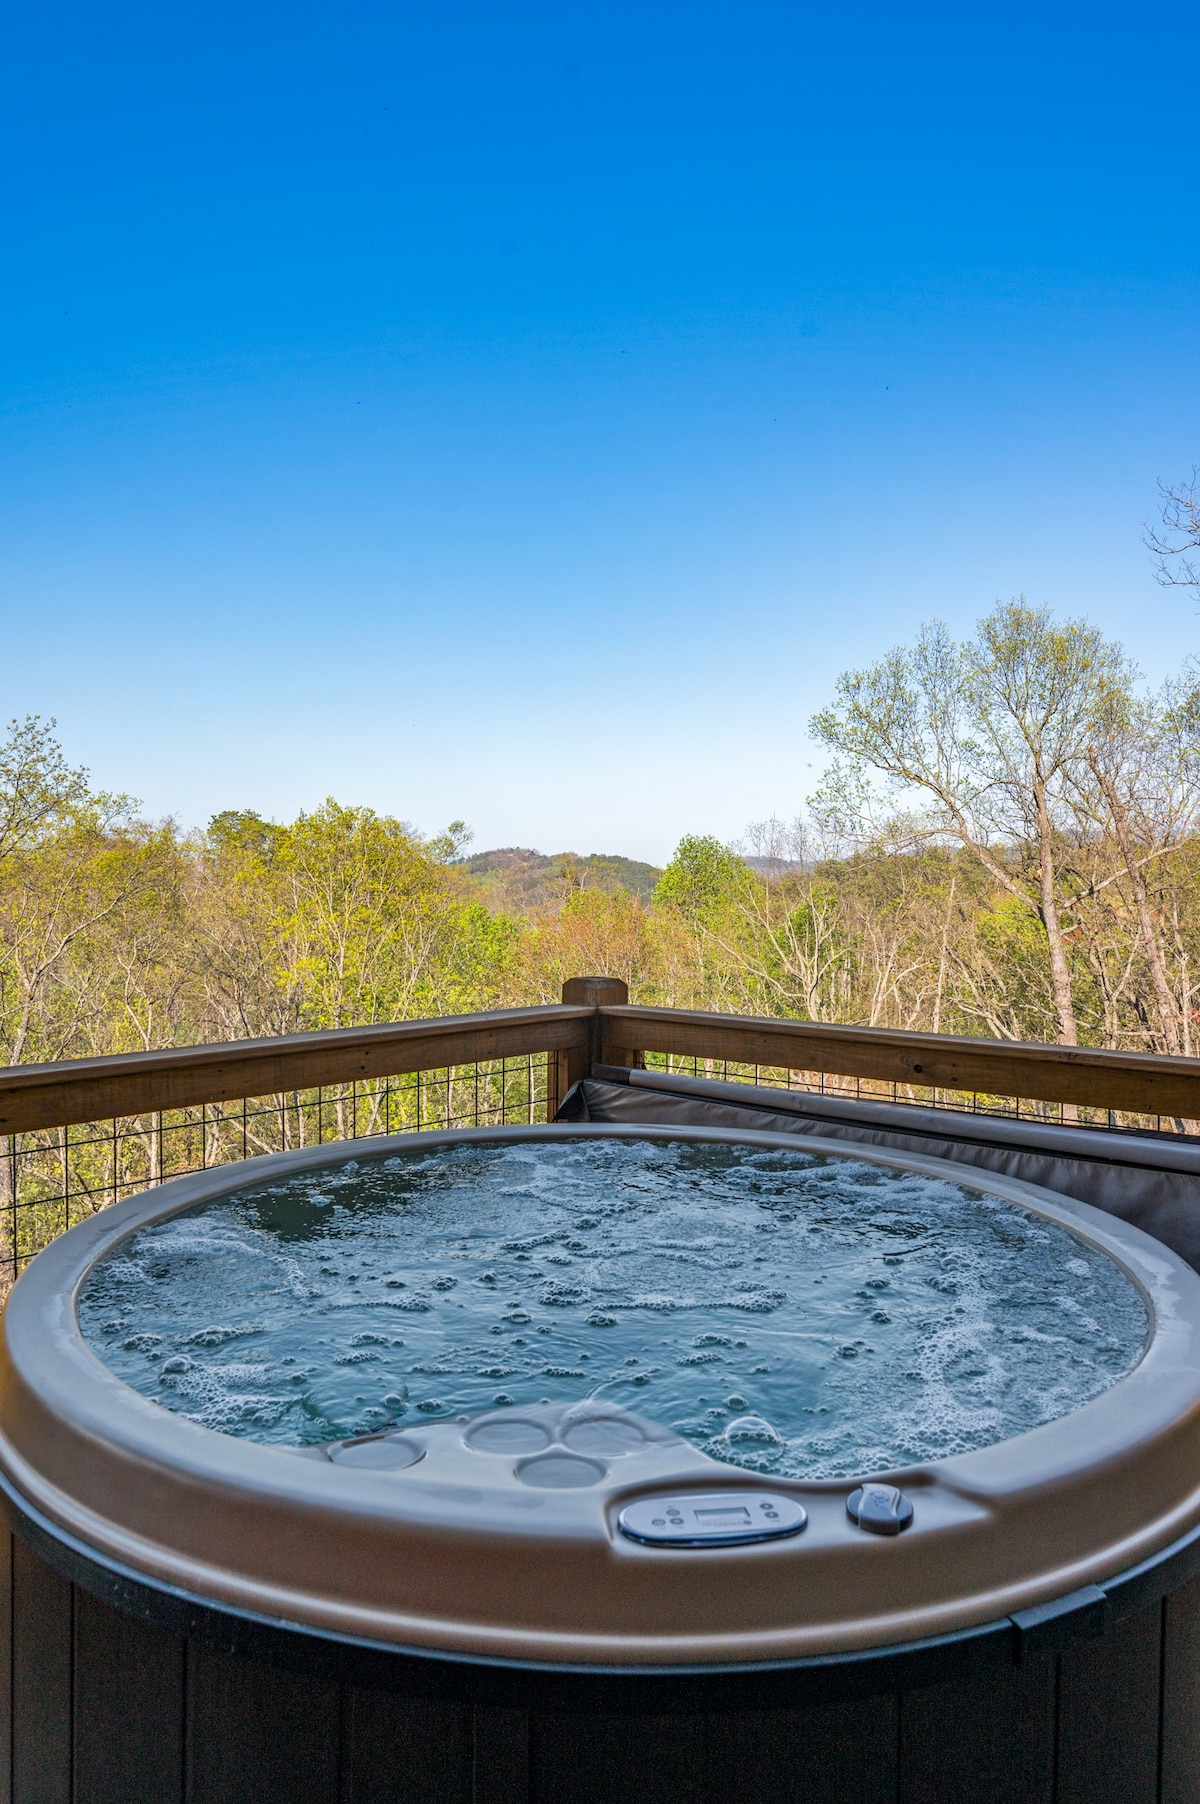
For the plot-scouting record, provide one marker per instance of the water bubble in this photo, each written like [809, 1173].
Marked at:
[992, 1324]
[555, 1293]
[752, 1430]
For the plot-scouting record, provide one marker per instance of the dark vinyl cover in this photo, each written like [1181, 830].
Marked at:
[1149, 1180]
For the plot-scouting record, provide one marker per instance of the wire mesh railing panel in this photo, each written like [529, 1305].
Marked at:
[52, 1178]
[868, 1089]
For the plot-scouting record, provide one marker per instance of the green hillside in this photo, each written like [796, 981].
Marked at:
[522, 881]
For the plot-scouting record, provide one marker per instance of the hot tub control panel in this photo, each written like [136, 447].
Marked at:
[711, 1518]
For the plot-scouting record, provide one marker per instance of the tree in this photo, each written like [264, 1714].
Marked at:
[37, 787]
[72, 908]
[699, 876]
[1144, 767]
[71, 864]
[992, 736]
[358, 915]
[595, 930]
[1177, 542]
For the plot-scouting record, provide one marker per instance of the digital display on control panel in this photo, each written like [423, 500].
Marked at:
[708, 1519]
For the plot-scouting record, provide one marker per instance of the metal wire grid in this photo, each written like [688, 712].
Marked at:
[868, 1089]
[53, 1178]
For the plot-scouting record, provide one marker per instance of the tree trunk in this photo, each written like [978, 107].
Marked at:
[1167, 1011]
[941, 976]
[1060, 974]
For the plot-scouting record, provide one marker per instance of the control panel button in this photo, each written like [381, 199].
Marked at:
[880, 1509]
[712, 1519]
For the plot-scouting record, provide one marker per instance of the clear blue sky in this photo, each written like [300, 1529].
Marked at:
[524, 412]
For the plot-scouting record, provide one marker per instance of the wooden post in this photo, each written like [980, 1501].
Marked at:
[566, 1067]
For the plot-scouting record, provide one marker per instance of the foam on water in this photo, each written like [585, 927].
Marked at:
[786, 1312]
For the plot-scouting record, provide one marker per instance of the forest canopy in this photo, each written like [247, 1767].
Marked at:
[1005, 843]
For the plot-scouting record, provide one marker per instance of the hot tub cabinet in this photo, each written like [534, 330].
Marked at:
[120, 1695]
[567, 1603]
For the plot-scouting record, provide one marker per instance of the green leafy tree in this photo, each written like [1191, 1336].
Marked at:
[991, 738]
[700, 877]
[38, 789]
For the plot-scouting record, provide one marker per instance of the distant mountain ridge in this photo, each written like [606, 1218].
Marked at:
[520, 880]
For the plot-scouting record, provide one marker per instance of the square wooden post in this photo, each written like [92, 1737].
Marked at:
[566, 1068]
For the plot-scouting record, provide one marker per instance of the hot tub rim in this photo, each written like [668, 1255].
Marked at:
[1067, 1623]
[113, 1225]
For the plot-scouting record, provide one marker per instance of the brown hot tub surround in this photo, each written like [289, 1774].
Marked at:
[569, 1601]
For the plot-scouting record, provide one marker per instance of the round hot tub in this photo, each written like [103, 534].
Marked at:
[602, 1462]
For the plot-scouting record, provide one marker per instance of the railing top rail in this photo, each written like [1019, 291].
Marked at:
[36, 1096]
[1138, 1082]
[79, 1090]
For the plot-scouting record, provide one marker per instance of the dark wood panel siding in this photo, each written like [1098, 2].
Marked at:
[256, 1735]
[6, 1665]
[108, 1710]
[405, 1750]
[129, 1709]
[1181, 1696]
[828, 1755]
[981, 1741]
[501, 1756]
[42, 1647]
[1108, 1728]
[583, 1759]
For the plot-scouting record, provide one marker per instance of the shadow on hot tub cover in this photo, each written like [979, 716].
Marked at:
[1149, 1180]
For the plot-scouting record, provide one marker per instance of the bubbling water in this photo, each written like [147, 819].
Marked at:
[784, 1311]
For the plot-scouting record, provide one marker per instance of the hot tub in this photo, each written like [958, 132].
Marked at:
[333, 1475]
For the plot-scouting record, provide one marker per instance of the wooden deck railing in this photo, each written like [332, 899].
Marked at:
[1133, 1083]
[138, 1083]
[81, 1133]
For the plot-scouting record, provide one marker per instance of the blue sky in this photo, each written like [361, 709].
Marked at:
[524, 413]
